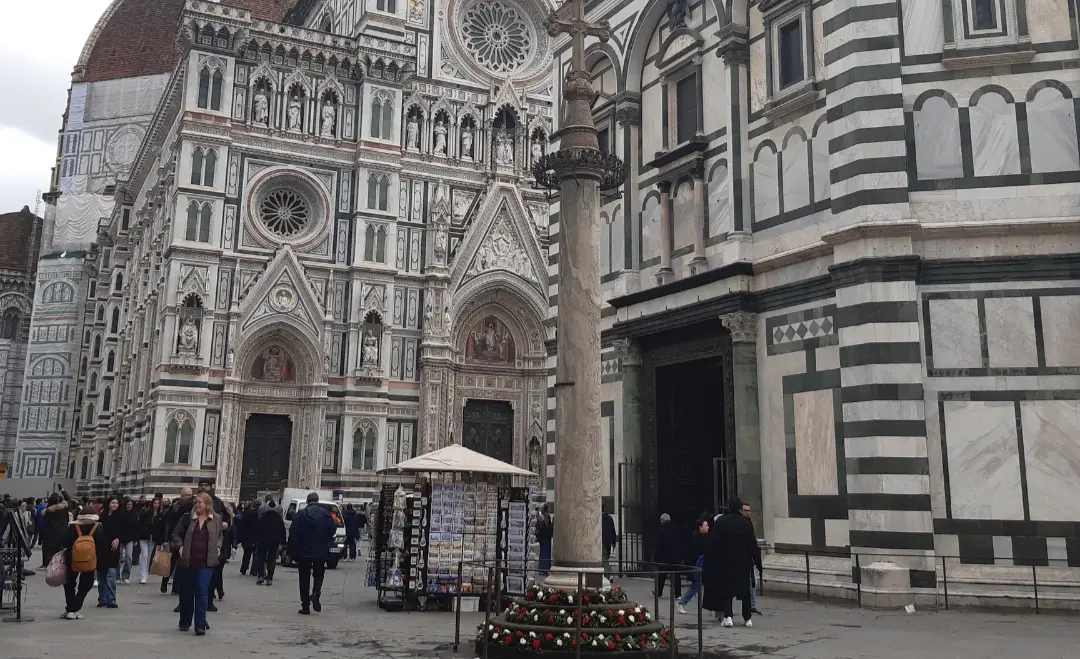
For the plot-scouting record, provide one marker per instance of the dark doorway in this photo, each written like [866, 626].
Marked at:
[488, 428]
[267, 441]
[695, 472]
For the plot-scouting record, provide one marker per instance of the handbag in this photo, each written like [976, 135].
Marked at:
[57, 572]
[162, 564]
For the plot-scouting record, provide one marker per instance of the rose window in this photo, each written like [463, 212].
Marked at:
[284, 213]
[497, 36]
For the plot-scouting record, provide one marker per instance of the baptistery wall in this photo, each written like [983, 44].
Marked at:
[854, 226]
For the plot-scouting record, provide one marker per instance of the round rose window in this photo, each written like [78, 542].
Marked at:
[497, 36]
[284, 213]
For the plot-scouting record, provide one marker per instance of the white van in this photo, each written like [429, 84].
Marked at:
[293, 500]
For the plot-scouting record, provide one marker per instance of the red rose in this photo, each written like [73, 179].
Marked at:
[584, 636]
[521, 633]
[563, 591]
[611, 646]
[549, 637]
[585, 620]
[586, 598]
[536, 644]
[553, 599]
[622, 620]
[507, 640]
[528, 595]
[617, 637]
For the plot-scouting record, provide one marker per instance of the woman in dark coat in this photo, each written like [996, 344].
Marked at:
[109, 561]
[699, 547]
[730, 564]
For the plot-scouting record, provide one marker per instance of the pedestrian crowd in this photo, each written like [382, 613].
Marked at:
[187, 541]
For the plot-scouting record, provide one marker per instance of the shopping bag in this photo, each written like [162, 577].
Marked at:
[57, 573]
[162, 565]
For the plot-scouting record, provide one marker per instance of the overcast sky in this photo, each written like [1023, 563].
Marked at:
[39, 50]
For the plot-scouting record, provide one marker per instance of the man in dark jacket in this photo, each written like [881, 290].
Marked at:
[732, 551]
[247, 532]
[670, 550]
[610, 539]
[309, 543]
[352, 531]
[269, 536]
[177, 511]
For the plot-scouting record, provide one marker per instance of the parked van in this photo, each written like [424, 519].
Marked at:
[293, 500]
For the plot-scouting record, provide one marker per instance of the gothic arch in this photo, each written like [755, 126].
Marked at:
[649, 19]
[303, 349]
[506, 301]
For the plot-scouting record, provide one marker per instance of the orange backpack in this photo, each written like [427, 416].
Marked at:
[84, 551]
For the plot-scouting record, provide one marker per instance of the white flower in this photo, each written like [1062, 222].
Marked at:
[631, 618]
[532, 634]
[637, 609]
[523, 641]
[566, 635]
[559, 642]
[570, 599]
[594, 644]
[603, 619]
[491, 627]
[570, 621]
[648, 615]
[562, 612]
[621, 612]
[495, 635]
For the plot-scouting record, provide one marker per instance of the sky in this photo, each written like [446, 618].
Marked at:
[39, 56]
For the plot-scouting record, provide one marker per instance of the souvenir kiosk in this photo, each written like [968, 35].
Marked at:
[443, 510]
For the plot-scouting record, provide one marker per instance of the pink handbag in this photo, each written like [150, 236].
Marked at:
[57, 573]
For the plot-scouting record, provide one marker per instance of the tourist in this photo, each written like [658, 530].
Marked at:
[270, 536]
[55, 526]
[179, 509]
[698, 546]
[309, 543]
[222, 511]
[352, 531]
[668, 553]
[109, 563]
[148, 516]
[730, 565]
[746, 511]
[80, 576]
[247, 533]
[610, 539]
[198, 539]
[129, 537]
[545, 531]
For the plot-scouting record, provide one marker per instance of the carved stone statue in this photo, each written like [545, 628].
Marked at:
[440, 138]
[440, 241]
[537, 152]
[294, 113]
[371, 349]
[230, 358]
[678, 12]
[504, 149]
[329, 116]
[189, 336]
[262, 108]
[442, 194]
[466, 142]
[412, 134]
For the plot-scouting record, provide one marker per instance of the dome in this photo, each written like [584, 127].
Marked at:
[136, 38]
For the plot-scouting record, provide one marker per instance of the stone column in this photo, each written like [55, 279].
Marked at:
[230, 449]
[734, 50]
[699, 264]
[630, 362]
[743, 328]
[665, 274]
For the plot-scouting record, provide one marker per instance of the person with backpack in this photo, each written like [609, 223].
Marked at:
[83, 547]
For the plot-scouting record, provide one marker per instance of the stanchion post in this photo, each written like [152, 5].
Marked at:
[858, 579]
[487, 613]
[671, 622]
[457, 611]
[807, 554]
[580, 598]
[945, 579]
[1035, 582]
[19, 579]
[700, 621]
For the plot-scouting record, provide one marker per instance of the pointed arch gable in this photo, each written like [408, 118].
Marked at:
[304, 350]
[522, 314]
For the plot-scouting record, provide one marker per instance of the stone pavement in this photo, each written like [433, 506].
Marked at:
[256, 619]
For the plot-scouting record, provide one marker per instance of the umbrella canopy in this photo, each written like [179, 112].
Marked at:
[456, 458]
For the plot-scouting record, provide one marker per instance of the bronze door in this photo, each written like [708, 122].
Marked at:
[267, 443]
[488, 428]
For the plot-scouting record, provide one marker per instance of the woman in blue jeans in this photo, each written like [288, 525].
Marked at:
[108, 565]
[197, 538]
[697, 555]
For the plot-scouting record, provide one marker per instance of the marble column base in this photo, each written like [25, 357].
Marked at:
[591, 578]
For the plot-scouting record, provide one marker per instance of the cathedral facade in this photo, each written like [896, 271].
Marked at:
[325, 253]
[838, 282]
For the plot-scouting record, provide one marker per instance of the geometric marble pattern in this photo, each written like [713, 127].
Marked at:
[801, 330]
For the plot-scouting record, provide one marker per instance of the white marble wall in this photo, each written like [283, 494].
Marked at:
[683, 215]
[994, 145]
[766, 185]
[796, 174]
[1052, 458]
[650, 229]
[719, 202]
[937, 140]
[1010, 332]
[1052, 130]
[815, 443]
[954, 331]
[983, 457]
[1060, 320]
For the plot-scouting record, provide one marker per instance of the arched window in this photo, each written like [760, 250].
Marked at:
[9, 329]
[198, 222]
[119, 283]
[82, 367]
[84, 471]
[388, 119]
[204, 88]
[106, 399]
[380, 244]
[71, 470]
[203, 166]
[196, 166]
[178, 441]
[101, 313]
[384, 193]
[215, 90]
[373, 191]
[210, 165]
[110, 362]
[114, 327]
[376, 118]
[363, 452]
[192, 222]
[90, 414]
[93, 381]
[326, 24]
[97, 347]
[100, 464]
[369, 243]
[204, 223]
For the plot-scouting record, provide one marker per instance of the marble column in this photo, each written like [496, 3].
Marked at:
[699, 264]
[630, 362]
[230, 449]
[665, 274]
[743, 328]
[734, 51]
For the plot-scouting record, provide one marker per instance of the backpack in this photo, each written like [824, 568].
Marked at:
[84, 551]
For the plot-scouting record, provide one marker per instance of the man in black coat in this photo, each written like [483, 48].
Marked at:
[352, 531]
[179, 508]
[269, 536]
[309, 544]
[731, 557]
[670, 550]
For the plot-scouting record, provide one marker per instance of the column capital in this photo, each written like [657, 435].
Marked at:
[742, 325]
[664, 186]
[629, 352]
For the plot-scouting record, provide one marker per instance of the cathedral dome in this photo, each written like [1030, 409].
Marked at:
[136, 38]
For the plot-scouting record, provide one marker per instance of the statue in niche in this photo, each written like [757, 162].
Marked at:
[537, 152]
[466, 143]
[678, 13]
[329, 116]
[442, 192]
[504, 149]
[371, 349]
[440, 241]
[440, 138]
[412, 134]
[189, 336]
[294, 113]
[262, 108]
[230, 358]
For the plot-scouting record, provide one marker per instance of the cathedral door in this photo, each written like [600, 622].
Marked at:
[695, 469]
[488, 428]
[267, 444]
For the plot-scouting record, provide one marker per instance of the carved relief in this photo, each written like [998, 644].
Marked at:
[502, 250]
[742, 325]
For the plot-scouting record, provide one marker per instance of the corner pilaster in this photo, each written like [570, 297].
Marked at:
[743, 327]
